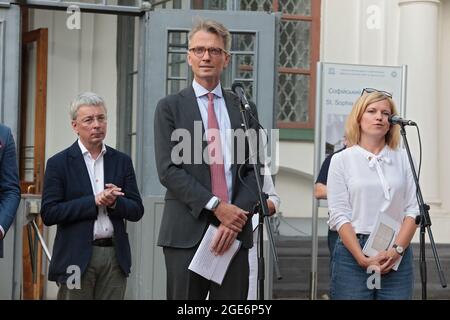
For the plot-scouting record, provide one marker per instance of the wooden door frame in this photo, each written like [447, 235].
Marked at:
[32, 252]
[40, 36]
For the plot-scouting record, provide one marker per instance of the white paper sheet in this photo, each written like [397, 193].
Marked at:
[207, 264]
[383, 237]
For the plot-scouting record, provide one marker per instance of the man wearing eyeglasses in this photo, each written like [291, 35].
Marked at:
[89, 192]
[211, 187]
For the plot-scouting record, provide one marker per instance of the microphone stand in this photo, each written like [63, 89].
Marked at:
[263, 211]
[425, 223]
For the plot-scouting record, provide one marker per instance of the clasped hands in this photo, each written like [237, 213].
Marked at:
[232, 220]
[384, 260]
[108, 196]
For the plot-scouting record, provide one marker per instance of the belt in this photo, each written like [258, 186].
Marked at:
[362, 236]
[105, 242]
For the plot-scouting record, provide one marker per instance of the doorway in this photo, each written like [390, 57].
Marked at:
[32, 147]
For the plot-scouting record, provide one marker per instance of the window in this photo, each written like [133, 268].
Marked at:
[298, 56]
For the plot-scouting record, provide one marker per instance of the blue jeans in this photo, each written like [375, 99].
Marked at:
[350, 282]
[332, 239]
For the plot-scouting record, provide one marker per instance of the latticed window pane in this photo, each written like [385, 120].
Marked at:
[295, 44]
[130, 3]
[293, 93]
[209, 4]
[243, 61]
[173, 86]
[178, 40]
[177, 67]
[244, 66]
[297, 7]
[243, 42]
[256, 5]
[243, 47]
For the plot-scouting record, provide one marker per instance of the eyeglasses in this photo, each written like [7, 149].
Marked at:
[88, 121]
[200, 51]
[370, 90]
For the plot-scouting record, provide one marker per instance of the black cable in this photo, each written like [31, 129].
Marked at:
[250, 155]
[420, 152]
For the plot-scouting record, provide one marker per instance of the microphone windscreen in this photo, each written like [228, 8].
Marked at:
[236, 85]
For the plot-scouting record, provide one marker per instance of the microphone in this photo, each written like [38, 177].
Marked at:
[239, 90]
[394, 119]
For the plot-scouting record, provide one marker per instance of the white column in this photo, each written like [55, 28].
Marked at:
[418, 49]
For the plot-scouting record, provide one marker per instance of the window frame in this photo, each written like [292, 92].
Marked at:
[314, 19]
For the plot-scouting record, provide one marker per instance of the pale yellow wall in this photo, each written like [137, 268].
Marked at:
[346, 38]
[78, 60]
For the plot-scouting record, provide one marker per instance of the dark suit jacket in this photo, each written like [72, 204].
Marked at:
[188, 185]
[9, 181]
[68, 201]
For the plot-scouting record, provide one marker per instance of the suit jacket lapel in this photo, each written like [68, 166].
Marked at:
[192, 115]
[234, 113]
[79, 166]
[109, 165]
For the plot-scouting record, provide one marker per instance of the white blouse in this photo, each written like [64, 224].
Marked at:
[361, 185]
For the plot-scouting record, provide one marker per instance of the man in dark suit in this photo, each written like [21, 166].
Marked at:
[204, 189]
[89, 191]
[9, 182]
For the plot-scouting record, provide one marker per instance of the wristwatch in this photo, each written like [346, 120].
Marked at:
[215, 204]
[399, 249]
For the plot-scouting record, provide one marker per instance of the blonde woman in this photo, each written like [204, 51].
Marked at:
[371, 177]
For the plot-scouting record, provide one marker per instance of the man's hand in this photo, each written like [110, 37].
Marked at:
[223, 239]
[108, 196]
[231, 216]
[271, 207]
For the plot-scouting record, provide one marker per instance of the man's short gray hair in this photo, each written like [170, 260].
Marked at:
[85, 99]
[212, 26]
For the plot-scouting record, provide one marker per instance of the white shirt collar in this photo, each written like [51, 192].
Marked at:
[384, 155]
[85, 151]
[375, 161]
[201, 91]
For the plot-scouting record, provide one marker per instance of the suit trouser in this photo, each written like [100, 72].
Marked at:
[102, 280]
[183, 284]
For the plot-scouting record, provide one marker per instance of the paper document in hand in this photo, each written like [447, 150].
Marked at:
[207, 264]
[383, 237]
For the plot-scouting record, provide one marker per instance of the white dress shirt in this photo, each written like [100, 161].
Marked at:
[224, 125]
[362, 185]
[103, 227]
[268, 188]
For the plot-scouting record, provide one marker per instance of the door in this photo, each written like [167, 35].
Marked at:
[9, 111]
[32, 150]
[164, 70]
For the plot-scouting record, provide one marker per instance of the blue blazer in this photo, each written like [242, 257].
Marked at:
[9, 181]
[69, 202]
